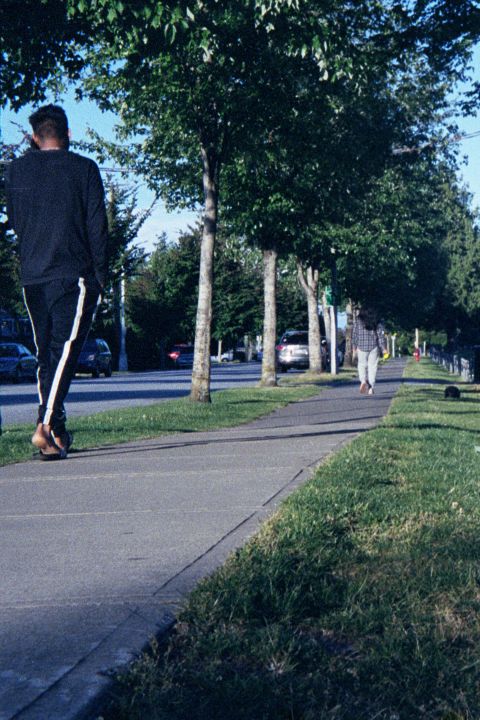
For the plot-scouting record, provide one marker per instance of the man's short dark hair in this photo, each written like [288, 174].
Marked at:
[50, 121]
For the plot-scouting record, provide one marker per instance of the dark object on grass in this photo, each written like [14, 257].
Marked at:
[452, 393]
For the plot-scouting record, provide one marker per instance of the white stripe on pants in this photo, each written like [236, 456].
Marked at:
[367, 365]
[66, 352]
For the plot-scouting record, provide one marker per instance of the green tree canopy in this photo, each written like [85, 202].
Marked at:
[194, 84]
[408, 244]
[38, 43]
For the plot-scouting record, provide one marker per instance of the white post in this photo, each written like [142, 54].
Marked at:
[394, 338]
[333, 340]
[333, 323]
[424, 348]
[219, 353]
[417, 338]
[122, 358]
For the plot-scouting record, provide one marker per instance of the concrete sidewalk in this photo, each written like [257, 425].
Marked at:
[98, 551]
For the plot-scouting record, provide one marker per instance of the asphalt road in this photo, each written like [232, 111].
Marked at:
[19, 402]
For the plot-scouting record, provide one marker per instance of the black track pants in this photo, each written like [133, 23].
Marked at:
[61, 312]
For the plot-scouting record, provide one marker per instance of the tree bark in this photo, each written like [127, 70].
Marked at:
[200, 388]
[348, 336]
[309, 285]
[269, 375]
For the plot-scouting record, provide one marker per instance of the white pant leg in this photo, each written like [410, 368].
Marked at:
[372, 366]
[362, 358]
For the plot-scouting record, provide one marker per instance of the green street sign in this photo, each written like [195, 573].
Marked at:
[330, 297]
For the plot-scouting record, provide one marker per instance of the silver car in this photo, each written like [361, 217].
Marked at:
[292, 350]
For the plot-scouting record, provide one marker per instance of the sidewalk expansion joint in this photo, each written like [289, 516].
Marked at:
[18, 714]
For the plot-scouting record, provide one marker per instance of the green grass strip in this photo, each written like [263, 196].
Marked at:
[359, 599]
[228, 408]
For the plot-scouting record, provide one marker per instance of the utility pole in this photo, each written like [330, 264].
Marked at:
[122, 358]
[333, 321]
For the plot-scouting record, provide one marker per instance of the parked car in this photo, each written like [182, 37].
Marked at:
[238, 353]
[181, 355]
[17, 362]
[292, 350]
[95, 358]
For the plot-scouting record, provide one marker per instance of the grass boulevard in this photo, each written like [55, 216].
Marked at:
[359, 599]
[228, 408]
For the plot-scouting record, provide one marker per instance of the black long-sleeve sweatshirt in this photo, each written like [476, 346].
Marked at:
[56, 206]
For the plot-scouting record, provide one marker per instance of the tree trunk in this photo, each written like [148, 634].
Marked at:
[269, 375]
[200, 388]
[348, 336]
[309, 285]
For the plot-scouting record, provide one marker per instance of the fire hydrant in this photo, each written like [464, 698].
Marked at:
[416, 354]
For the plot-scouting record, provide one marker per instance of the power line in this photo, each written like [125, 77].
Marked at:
[404, 150]
[419, 148]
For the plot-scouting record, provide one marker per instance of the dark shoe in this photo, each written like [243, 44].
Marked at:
[62, 441]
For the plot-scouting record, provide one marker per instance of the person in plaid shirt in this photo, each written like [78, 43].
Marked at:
[369, 342]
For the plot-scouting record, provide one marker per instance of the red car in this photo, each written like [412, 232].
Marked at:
[181, 355]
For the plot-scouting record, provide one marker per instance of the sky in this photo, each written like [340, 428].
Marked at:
[81, 116]
[470, 147]
[85, 114]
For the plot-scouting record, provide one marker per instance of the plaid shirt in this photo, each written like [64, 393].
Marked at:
[367, 340]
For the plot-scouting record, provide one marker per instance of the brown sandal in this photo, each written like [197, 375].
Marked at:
[48, 448]
[55, 455]
[66, 440]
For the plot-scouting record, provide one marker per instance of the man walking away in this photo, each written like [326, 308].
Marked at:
[368, 339]
[56, 206]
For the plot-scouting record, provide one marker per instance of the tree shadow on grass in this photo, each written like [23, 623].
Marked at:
[429, 381]
[429, 426]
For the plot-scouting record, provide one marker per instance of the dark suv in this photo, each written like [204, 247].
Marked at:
[95, 358]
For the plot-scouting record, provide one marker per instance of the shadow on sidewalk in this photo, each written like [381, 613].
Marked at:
[120, 450]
